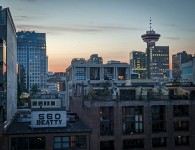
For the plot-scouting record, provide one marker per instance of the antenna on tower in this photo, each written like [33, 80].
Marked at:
[150, 23]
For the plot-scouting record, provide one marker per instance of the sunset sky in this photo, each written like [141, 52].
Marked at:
[109, 28]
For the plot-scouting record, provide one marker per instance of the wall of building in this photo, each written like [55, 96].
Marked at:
[90, 114]
[49, 139]
[11, 69]
[8, 33]
[188, 71]
[32, 55]
[46, 103]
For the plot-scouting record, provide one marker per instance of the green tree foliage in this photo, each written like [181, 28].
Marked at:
[34, 89]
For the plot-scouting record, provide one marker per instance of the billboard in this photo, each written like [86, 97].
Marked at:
[41, 119]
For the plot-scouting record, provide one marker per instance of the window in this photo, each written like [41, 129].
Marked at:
[106, 145]
[181, 125]
[181, 110]
[52, 103]
[159, 142]
[35, 103]
[108, 73]
[80, 77]
[158, 119]
[28, 143]
[94, 73]
[40, 143]
[121, 73]
[78, 141]
[106, 121]
[127, 94]
[132, 119]
[133, 143]
[182, 140]
[40, 103]
[63, 142]
[80, 70]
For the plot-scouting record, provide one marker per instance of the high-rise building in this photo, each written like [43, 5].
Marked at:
[32, 55]
[157, 56]
[159, 67]
[8, 66]
[138, 65]
[177, 60]
[188, 71]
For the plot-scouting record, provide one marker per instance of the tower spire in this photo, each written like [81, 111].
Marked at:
[150, 24]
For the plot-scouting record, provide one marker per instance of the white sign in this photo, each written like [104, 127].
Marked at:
[41, 119]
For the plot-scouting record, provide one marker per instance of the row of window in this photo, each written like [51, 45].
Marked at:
[79, 77]
[95, 73]
[139, 143]
[133, 119]
[59, 143]
[63, 142]
[43, 103]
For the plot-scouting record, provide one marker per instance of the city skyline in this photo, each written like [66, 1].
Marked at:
[111, 29]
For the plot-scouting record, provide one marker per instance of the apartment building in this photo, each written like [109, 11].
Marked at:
[140, 116]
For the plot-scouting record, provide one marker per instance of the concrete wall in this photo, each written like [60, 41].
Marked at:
[11, 69]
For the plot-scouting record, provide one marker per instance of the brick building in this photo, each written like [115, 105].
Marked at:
[25, 134]
[144, 117]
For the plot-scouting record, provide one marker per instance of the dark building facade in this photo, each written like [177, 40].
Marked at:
[139, 119]
[22, 134]
[2, 81]
[177, 60]
[8, 34]
[138, 64]
[159, 62]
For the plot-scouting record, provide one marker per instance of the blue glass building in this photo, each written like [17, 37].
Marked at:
[31, 50]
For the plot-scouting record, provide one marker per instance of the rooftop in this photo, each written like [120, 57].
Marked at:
[25, 127]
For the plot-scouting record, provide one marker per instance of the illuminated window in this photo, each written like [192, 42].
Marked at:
[132, 120]
[182, 140]
[64, 142]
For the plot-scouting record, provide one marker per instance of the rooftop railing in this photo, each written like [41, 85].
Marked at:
[138, 98]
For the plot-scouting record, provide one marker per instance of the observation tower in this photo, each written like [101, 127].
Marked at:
[150, 37]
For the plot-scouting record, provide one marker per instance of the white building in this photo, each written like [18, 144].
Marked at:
[89, 72]
[46, 103]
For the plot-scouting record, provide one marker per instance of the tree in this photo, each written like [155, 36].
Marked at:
[19, 91]
[34, 89]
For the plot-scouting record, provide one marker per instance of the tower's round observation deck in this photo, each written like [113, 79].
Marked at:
[150, 37]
